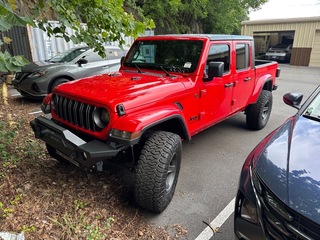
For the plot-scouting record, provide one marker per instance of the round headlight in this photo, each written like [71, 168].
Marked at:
[101, 117]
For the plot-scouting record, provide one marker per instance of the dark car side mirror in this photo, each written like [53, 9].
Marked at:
[293, 99]
[82, 61]
[215, 69]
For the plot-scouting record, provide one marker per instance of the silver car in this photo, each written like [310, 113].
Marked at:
[279, 52]
[38, 79]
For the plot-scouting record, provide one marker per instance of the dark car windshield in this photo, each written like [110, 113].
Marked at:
[68, 56]
[169, 55]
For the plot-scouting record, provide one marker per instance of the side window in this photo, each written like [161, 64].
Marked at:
[93, 57]
[220, 53]
[242, 53]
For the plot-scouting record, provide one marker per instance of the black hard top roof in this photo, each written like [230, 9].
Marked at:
[212, 37]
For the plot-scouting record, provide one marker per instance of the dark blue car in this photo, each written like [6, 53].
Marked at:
[279, 187]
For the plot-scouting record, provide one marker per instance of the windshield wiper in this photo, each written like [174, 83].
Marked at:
[312, 117]
[139, 70]
[167, 74]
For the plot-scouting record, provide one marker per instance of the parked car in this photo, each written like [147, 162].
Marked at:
[279, 52]
[163, 94]
[38, 79]
[279, 187]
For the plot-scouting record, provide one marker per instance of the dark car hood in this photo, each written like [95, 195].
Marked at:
[39, 65]
[290, 166]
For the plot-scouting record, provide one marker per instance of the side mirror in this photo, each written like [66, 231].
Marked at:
[215, 69]
[293, 99]
[82, 61]
[122, 60]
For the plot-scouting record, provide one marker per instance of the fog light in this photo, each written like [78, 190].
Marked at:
[248, 211]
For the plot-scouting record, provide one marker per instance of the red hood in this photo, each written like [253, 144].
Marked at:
[130, 89]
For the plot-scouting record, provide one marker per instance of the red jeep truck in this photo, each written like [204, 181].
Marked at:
[168, 89]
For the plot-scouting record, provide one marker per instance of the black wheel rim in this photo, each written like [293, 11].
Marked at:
[171, 173]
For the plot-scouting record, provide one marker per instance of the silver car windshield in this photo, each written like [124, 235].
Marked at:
[169, 55]
[68, 56]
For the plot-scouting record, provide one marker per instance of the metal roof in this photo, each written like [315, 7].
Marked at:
[284, 20]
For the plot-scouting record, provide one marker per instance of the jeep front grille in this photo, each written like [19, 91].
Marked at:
[77, 113]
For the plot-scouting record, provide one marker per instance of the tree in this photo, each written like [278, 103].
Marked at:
[197, 16]
[105, 21]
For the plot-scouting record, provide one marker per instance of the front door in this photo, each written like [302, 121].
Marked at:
[216, 94]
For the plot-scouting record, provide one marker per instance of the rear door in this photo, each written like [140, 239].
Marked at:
[244, 77]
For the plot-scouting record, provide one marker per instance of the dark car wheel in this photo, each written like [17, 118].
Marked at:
[258, 113]
[157, 171]
[57, 82]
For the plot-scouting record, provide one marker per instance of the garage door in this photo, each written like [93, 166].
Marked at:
[315, 53]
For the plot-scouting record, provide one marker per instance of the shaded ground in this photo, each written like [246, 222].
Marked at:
[49, 200]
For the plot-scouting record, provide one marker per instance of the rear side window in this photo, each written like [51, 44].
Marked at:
[114, 53]
[242, 53]
[68, 56]
[220, 53]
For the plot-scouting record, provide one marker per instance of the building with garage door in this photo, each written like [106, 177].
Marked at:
[302, 33]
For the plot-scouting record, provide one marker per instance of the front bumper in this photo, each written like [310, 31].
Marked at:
[70, 146]
[25, 88]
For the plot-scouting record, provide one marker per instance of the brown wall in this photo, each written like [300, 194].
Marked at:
[300, 56]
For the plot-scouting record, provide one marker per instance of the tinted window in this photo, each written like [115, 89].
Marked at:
[242, 53]
[220, 53]
[69, 55]
[171, 55]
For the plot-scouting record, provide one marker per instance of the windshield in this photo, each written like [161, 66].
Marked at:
[68, 56]
[169, 55]
[313, 110]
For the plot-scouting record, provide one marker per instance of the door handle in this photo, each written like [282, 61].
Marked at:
[247, 79]
[227, 85]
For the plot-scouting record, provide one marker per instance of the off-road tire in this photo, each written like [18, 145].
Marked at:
[57, 82]
[53, 153]
[157, 171]
[258, 113]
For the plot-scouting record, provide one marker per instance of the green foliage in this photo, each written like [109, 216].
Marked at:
[10, 63]
[105, 21]
[28, 229]
[7, 135]
[76, 223]
[197, 16]
[8, 18]
[5, 210]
